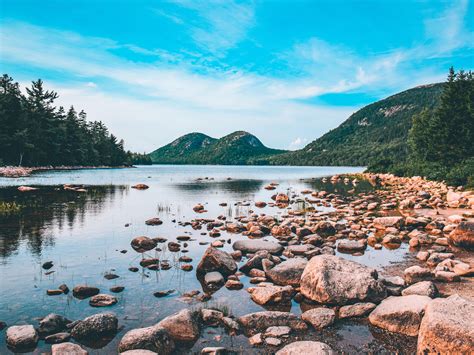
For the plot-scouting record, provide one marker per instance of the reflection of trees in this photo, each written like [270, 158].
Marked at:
[237, 187]
[46, 207]
[340, 187]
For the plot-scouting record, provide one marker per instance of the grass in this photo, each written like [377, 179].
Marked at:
[9, 207]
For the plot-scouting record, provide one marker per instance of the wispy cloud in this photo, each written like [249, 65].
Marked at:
[298, 143]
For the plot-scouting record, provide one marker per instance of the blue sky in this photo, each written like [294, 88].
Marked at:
[286, 71]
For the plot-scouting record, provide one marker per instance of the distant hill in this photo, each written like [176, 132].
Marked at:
[377, 131]
[238, 148]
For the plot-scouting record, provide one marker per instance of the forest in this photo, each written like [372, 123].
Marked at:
[34, 132]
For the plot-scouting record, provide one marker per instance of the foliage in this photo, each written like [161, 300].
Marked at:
[34, 132]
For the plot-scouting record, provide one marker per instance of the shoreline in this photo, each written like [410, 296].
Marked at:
[18, 171]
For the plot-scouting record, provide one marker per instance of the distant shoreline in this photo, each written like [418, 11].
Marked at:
[19, 171]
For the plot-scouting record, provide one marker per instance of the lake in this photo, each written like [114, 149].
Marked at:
[88, 234]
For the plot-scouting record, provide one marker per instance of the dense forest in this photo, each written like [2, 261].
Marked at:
[441, 139]
[34, 132]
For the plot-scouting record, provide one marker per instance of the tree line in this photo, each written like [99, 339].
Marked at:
[34, 132]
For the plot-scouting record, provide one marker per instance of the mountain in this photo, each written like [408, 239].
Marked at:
[377, 131]
[237, 148]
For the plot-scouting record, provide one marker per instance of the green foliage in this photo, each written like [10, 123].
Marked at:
[34, 132]
[238, 148]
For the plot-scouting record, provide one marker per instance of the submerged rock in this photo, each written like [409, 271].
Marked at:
[53, 323]
[83, 291]
[67, 349]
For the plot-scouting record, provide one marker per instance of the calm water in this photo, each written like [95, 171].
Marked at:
[84, 234]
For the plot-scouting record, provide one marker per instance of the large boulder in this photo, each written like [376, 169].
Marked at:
[52, 323]
[271, 294]
[67, 349]
[306, 348]
[447, 327]
[217, 260]
[422, 288]
[22, 337]
[334, 280]
[182, 326]
[463, 235]
[288, 272]
[400, 314]
[319, 317]
[154, 338]
[95, 326]
[257, 322]
[253, 246]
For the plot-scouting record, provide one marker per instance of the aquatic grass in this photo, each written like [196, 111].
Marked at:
[217, 306]
[9, 207]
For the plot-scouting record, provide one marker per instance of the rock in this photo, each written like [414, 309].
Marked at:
[83, 291]
[351, 246]
[47, 265]
[231, 325]
[153, 221]
[214, 279]
[270, 294]
[138, 352]
[400, 314]
[102, 300]
[57, 338]
[447, 327]
[356, 310]
[253, 246]
[416, 274]
[154, 338]
[26, 188]
[21, 337]
[52, 323]
[217, 260]
[182, 326]
[447, 276]
[95, 326]
[334, 280]
[198, 208]
[67, 349]
[143, 244]
[277, 332]
[306, 348]
[253, 323]
[256, 339]
[463, 235]
[391, 239]
[117, 289]
[234, 285]
[54, 292]
[140, 187]
[282, 198]
[385, 222]
[272, 341]
[325, 229]
[260, 204]
[298, 249]
[288, 272]
[319, 317]
[422, 288]
[211, 316]
[214, 350]
[256, 261]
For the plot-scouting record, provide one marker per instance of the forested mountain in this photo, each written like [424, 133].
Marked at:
[376, 131]
[238, 148]
[34, 132]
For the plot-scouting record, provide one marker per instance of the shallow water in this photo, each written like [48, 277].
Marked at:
[84, 234]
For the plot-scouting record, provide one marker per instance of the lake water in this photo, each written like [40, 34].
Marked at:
[84, 234]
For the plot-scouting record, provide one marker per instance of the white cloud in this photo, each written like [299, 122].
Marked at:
[298, 143]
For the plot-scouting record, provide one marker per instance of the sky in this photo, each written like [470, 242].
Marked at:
[286, 71]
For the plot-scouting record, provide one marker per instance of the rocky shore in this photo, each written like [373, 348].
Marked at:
[19, 171]
[291, 257]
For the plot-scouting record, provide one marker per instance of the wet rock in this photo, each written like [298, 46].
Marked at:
[298, 249]
[95, 326]
[174, 247]
[143, 244]
[152, 338]
[47, 265]
[447, 327]
[57, 338]
[140, 187]
[385, 222]
[422, 288]
[416, 274]
[253, 246]
[214, 350]
[160, 294]
[153, 222]
[463, 235]
[83, 291]
[182, 326]
[21, 337]
[68, 349]
[306, 348]
[356, 310]
[138, 352]
[319, 317]
[400, 314]
[234, 285]
[282, 198]
[288, 272]
[117, 289]
[256, 261]
[270, 294]
[391, 239]
[198, 208]
[187, 267]
[211, 317]
[334, 280]
[216, 260]
[214, 279]
[260, 204]
[259, 321]
[256, 339]
[352, 246]
[102, 300]
[64, 288]
[54, 292]
[325, 229]
[52, 323]
[111, 276]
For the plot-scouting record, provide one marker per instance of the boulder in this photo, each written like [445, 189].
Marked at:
[256, 261]
[95, 326]
[400, 314]
[416, 273]
[270, 294]
[253, 246]
[143, 244]
[102, 300]
[182, 326]
[319, 317]
[257, 322]
[463, 235]
[214, 279]
[447, 327]
[351, 246]
[67, 349]
[306, 348]
[154, 338]
[422, 288]
[21, 337]
[356, 310]
[217, 260]
[334, 280]
[288, 272]
[52, 323]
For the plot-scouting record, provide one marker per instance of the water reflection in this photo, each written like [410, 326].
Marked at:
[236, 187]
